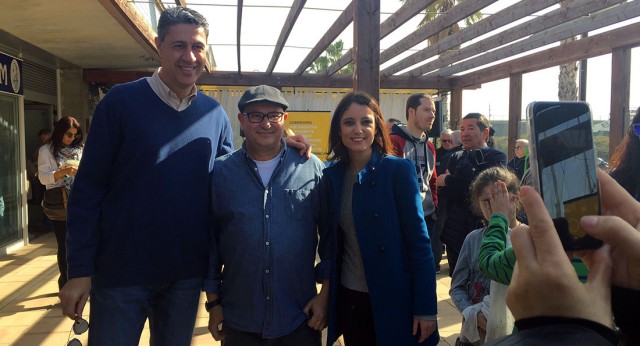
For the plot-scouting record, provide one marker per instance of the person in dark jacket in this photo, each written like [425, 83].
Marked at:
[463, 166]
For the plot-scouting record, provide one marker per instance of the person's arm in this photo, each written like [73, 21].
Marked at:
[398, 145]
[461, 278]
[414, 230]
[213, 278]
[316, 308]
[300, 143]
[495, 260]
[48, 171]
[84, 207]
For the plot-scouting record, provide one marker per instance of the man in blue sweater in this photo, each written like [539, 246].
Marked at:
[139, 220]
[267, 206]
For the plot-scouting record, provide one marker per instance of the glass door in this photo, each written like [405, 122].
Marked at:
[10, 196]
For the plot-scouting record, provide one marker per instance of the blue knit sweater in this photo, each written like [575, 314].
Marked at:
[139, 212]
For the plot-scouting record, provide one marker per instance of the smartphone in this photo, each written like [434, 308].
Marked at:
[564, 167]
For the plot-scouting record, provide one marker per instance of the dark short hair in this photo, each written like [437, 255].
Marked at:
[413, 102]
[180, 15]
[483, 122]
[381, 141]
[43, 132]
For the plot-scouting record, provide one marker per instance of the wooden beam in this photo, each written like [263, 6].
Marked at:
[574, 10]
[345, 18]
[454, 15]
[125, 13]
[456, 109]
[574, 28]
[401, 16]
[314, 80]
[366, 43]
[292, 17]
[504, 17]
[182, 3]
[238, 32]
[620, 89]
[590, 47]
[515, 111]
[112, 77]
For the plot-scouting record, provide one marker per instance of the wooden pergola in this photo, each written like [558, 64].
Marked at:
[490, 58]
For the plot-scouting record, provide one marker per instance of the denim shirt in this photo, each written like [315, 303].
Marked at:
[265, 238]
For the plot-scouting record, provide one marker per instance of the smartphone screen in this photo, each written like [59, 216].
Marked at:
[564, 167]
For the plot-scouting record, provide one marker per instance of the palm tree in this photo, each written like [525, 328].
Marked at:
[330, 55]
[567, 81]
[442, 6]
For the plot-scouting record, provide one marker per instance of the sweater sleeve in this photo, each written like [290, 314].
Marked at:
[47, 165]
[496, 261]
[91, 186]
[461, 278]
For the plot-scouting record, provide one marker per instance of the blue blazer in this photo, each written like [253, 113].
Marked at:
[394, 244]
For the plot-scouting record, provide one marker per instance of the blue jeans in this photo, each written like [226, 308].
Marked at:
[118, 314]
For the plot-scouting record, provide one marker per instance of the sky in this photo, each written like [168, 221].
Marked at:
[262, 22]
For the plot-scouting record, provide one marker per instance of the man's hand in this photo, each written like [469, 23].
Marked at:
[299, 142]
[441, 179]
[426, 327]
[216, 317]
[316, 308]
[74, 296]
[544, 282]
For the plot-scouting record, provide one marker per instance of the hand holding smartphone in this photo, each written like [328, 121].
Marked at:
[564, 167]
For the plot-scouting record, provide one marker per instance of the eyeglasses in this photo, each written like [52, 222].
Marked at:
[636, 128]
[258, 117]
[71, 135]
[79, 326]
[446, 141]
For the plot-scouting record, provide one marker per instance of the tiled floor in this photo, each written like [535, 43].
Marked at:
[30, 312]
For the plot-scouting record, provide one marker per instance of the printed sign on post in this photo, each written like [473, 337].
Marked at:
[314, 126]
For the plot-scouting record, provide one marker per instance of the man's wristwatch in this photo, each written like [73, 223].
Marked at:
[209, 305]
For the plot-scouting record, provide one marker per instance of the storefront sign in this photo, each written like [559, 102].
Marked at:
[314, 126]
[10, 75]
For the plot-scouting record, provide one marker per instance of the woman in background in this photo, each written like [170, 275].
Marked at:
[383, 283]
[625, 162]
[57, 165]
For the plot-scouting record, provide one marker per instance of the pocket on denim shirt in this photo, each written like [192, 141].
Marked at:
[295, 202]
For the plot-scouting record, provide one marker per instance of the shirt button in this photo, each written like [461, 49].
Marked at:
[267, 216]
[267, 271]
[372, 184]
[381, 248]
[268, 297]
[376, 216]
[267, 243]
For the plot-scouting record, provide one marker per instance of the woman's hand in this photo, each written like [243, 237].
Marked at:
[68, 170]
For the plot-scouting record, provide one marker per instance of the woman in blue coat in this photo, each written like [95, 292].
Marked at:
[383, 289]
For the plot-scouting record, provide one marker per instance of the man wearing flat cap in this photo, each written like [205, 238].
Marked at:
[267, 205]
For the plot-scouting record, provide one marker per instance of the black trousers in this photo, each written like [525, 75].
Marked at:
[301, 336]
[60, 229]
[355, 318]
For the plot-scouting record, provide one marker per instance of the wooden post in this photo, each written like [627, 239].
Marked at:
[515, 111]
[456, 109]
[366, 44]
[620, 86]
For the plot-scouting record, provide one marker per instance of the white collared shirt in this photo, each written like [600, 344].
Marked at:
[168, 96]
